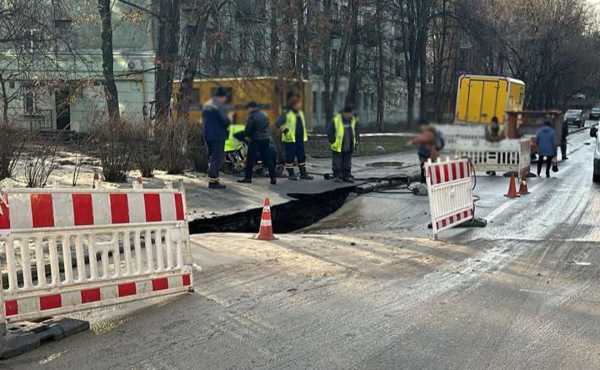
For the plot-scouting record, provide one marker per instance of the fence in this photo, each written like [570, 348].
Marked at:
[503, 156]
[450, 189]
[469, 141]
[63, 250]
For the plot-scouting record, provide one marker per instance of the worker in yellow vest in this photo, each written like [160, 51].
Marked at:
[342, 133]
[294, 135]
[233, 144]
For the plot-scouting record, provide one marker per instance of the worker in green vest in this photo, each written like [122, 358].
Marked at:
[294, 134]
[342, 133]
[232, 144]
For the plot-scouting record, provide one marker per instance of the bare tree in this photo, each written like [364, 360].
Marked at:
[110, 87]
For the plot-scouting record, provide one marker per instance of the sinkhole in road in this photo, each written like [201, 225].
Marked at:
[304, 210]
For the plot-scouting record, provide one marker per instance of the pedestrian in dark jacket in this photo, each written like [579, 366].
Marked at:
[546, 143]
[563, 145]
[294, 135]
[342, 133]
[215, 122]
[259, 143]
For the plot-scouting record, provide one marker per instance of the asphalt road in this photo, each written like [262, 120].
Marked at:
[365, 289]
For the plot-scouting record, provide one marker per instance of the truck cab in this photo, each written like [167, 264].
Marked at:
[594, 134]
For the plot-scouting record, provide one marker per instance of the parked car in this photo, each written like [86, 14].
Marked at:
[594, 133]
[574, 117]
[595, 114]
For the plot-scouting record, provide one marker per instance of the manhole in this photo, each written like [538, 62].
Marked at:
[385, 164]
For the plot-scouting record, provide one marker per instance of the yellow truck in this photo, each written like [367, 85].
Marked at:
[269, 92]
[481, 98]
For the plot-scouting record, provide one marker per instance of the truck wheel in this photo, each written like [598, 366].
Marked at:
[596, 178]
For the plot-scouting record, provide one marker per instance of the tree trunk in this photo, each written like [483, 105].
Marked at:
[166, 57]
[110, 86]
[327, 47]
[380, 68]
[354, 76]
[4, 101]
[274, 32]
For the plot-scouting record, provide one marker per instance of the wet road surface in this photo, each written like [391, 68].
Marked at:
[365, 289]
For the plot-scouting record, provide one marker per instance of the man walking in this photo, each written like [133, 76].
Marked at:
[293, 127]
[546, 143]
[343, 136]
[215, 123]
[259, 143]
[563, 145]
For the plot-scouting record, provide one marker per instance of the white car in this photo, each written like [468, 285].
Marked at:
[594, 133]
[574, 117]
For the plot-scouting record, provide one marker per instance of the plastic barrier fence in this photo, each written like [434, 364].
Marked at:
[504, 156]
[469, 141]
[450, 189]
[63, 251]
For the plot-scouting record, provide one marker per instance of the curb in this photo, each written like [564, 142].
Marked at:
[24, 337]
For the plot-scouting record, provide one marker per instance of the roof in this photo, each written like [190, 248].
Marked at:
[490, 77]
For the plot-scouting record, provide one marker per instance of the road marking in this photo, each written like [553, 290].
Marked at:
[498, 211]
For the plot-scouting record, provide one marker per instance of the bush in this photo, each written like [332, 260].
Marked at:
[113, 143]
[197, 149]
[145, 149]
[12, 144]
[173, 142]
[41, 162]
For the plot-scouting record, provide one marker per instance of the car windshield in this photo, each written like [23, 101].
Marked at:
[596, 110]
[572, 113]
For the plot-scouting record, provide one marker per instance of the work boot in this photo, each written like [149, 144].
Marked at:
[245, 181]
[273, 180]
[292, 175]
[304, 174]
[215, 185]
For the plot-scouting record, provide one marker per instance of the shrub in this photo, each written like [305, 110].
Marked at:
[12, 145]
[112, 141]
[173, 142]
[145, 148]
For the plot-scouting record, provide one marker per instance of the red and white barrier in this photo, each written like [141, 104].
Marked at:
[67, 250]
[36, 209]
[450, 189]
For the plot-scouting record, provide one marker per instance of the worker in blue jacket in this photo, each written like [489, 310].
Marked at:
[546, 143]
[216, 132]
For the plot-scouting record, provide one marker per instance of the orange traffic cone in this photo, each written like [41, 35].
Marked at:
[523, 189]
[512, 188]
[266, 224]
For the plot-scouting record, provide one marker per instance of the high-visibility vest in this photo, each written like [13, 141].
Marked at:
[338, 123]
[290, 125]
[232, 144]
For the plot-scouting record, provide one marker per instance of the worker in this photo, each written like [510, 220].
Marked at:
[259, 143]
[564, 135]
[294, 136]
[426, 147]
[546, 143]
[494, 132]
[215, 122]
[343, 136]
[233, 144]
